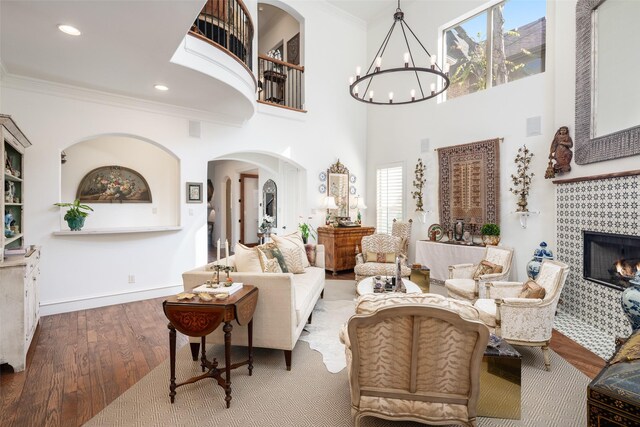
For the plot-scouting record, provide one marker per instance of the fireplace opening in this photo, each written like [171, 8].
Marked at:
[611, 259]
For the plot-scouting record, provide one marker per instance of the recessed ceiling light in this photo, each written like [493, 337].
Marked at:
[68, 29]
[161, 87]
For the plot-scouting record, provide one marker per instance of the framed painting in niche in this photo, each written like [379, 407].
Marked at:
[470, 183]
[113, 184]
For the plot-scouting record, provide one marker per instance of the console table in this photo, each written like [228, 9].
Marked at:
[439, 256]
[197, 318]
[341, 244]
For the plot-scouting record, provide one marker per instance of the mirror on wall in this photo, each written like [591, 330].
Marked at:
[269, 200]
[607, 111]
[338, 188]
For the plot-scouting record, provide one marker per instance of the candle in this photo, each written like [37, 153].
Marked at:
[358, 70]
[390, 97]
[433, 61]
[350, 80]
[371, 96]
[218, 245]
[378, 63]
[355, 90]
[447, 66]
[413, 94]
[406, 59]
[226, 251]
[433, 88]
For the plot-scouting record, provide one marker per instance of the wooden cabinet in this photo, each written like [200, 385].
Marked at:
[19, 272]
[341, 244]
[20, 304]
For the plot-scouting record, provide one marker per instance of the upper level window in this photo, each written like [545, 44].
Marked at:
[500, 43]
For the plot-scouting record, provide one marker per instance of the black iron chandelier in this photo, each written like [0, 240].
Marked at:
[361, 87]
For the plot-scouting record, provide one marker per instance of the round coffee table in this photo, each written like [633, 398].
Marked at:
[365, 286]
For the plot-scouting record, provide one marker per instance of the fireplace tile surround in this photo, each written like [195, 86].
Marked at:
[606, 205]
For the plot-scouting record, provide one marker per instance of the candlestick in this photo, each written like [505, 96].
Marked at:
[218, 246]
[226, 251]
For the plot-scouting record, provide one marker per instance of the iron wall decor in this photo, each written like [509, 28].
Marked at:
[113, 184]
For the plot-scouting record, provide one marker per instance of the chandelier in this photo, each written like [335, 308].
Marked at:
[362, 86]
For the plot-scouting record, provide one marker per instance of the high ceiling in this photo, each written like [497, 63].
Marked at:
[125, 47]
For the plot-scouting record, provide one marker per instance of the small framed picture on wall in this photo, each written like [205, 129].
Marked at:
[194, 192]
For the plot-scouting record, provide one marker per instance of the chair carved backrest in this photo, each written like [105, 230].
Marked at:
[402, 229]
[499, 255]
[433, 354]
[380, 243]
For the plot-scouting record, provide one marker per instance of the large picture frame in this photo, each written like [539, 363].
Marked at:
[194, 192]
[113, 184]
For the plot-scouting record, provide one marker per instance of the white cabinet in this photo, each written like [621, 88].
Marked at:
[20, 307]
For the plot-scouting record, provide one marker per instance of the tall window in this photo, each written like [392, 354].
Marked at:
[389, 200]
[501, 43]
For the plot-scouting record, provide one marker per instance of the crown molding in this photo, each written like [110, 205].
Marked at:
[64, 90]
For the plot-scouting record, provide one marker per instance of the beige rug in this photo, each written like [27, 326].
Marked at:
[309, 395]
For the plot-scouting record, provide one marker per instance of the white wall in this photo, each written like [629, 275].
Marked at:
[159, 168]
[82, 272]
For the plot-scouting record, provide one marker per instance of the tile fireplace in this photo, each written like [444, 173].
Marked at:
[610, 259]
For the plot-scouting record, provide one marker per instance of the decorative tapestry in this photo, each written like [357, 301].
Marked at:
[470, 183]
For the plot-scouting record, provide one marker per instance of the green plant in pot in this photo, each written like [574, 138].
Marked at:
[490, 234]
[76, 214]
[306, 230]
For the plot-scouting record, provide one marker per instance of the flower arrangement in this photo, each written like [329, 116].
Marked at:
[267, 222]
[522, 179]
[418, 184]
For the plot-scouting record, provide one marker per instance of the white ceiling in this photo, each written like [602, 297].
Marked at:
[368, 10]
[125, 48]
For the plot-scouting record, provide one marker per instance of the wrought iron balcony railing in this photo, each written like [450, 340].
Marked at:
[280, 83]
[228, 24]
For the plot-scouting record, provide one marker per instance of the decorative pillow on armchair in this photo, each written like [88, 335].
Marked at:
[532, 290]
[486, 267]
[381, 257]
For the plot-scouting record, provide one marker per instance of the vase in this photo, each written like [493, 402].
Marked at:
[522, 203]
[490, 240]
[630, 300]
[458, 229]
[533, 266]
[76, 224]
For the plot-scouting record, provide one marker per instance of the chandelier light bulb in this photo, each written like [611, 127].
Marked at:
[355, 90]
[358, 70]
[406, 59]
[433, 61]
[413, 94]
[351, 80]
[378, 63]
[433, 88]
[370, 95]
[390, 97]
[447, 66]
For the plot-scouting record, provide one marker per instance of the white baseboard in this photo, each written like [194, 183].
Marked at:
[57, 307]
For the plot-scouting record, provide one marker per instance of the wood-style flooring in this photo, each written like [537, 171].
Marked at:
[80, 362]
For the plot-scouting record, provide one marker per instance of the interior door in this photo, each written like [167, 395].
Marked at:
[249, 209]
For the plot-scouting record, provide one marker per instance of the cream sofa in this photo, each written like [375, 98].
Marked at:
[285, 303]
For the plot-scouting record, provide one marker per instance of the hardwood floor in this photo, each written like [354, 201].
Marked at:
[80, 362]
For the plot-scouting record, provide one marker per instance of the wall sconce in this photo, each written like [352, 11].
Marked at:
[524, 215]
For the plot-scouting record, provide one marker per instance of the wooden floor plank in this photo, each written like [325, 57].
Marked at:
[79, 362]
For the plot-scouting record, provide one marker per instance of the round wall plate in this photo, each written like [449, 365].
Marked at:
[323, 176]
[352, 178]
[322, 188]
[352, 189]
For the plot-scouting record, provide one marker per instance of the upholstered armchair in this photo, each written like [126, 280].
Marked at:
[402, 230]
[466, 280]
[525, 321]
[378, 257]
[414, 357]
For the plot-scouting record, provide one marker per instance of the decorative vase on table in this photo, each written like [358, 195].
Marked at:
[630, 300]
[533, 266]
[458, 229]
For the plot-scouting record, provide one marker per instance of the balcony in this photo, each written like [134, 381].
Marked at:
[280, 84]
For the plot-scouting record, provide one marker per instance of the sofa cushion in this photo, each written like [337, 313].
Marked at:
[381, 257]
[271, 250]
[310, 249]
[247, 259]
[461, 288]
[293, 259]
[487, 310]
[380, 269]
[306, 288]
[486, 267]
[292, 241]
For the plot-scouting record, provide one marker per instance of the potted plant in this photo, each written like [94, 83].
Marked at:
[76, 214]
[306, 230]
[490, 234]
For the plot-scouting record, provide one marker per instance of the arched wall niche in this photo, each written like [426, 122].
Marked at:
[158, 165]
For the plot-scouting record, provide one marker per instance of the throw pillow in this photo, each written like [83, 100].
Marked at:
[271, 251]
[532, 290]
[294, 260]
[272, 266]
[247, 259]
[292, 241]
[381, 257]
[486, 267]
[310, 248]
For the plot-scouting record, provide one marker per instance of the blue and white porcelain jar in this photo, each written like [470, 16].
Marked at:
[533, 267]
[630, 300]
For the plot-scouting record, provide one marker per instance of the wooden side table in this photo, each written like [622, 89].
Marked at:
[196, 318]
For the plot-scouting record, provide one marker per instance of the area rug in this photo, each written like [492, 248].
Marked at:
[309, 395]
